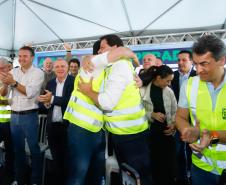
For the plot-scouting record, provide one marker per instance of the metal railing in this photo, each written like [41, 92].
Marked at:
[139, 40]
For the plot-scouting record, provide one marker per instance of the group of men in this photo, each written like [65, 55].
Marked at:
[107, 98]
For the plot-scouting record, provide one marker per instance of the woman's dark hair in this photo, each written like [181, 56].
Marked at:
[163, 71]
[96, 47]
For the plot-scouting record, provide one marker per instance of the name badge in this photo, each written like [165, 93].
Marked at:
[224, 113]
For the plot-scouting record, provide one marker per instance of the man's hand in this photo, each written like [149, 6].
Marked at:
[87, 65]
[204, 142]
[67, 46]
[46, 98]
[84, 87]
[138, 81]
[7, 78]
[136, 61]
[190, 134]
[3, 76]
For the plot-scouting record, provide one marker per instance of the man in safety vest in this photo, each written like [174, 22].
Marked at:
[85, 137]
[124, 115]
[204, 98]
[5, 134]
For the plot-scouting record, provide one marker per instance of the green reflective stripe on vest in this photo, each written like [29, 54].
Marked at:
[84, 117]
[5, 107]
[85, 104]
[81, 110]
[131, 110]
[126, 123]
[124, 117]
[212, 159]
[5, 116]
[84, 110]
[192, 87]
[5, 113]
[128, 116]
[128, 130]
[200, 164]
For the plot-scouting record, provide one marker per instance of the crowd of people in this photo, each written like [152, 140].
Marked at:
[167, 125]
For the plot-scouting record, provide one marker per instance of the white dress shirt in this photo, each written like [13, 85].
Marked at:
[57, 112]
[116, 83]
[32, 79]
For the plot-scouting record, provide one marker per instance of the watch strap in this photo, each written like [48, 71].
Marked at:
[15, 85]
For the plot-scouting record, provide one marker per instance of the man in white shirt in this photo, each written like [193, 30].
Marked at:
[25, 82]
[130, 146]
[85, 128]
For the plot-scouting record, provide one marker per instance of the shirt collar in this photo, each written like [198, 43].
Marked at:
[27, 70]
[221, 84]
[58, 82]
[188, 73]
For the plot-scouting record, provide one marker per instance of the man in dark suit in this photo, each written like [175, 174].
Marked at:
[55, 99]
[183, 151]
[185, 70]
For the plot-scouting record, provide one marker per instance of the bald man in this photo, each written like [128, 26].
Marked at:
[149, 60]
[48, 72]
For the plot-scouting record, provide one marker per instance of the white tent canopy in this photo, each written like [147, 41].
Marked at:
[46, 21]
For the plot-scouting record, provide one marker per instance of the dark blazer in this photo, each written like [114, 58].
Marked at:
[175, 82]
[59, 101]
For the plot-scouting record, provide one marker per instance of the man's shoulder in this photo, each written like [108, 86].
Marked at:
[37, 70]
[70, 78]
[123, 66]
[122, 62]
[176, 78]
[15, 69]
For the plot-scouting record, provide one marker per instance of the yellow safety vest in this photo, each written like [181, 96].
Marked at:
[81, 110]
[213, 158]
[5, 112]
[128, 116]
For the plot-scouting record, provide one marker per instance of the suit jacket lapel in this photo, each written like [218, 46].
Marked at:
[65, 86]
[54, 87]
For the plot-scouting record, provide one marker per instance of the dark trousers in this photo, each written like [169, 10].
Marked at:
[57, 139]
[5, 135]
[201, 177]
[183, 163]
[133, 150]
[162, 149]
[25, 126]
[86, 156]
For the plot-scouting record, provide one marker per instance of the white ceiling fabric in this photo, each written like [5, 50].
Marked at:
[43, 21]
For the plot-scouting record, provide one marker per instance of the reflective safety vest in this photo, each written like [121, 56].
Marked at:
[128, 116]
[5, 112]
[213, 158]
[81, 110]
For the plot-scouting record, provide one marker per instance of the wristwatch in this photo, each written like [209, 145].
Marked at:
[214, 137]
[15, 84]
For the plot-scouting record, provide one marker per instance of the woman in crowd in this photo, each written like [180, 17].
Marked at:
[160, 104]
